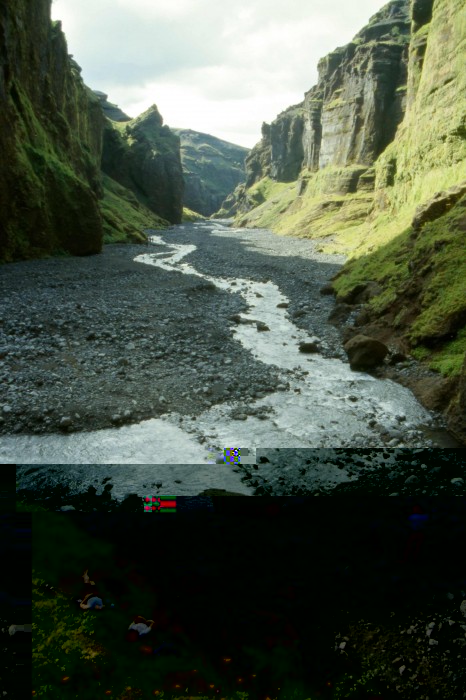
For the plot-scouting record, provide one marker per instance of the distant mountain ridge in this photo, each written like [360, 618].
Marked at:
[212, 169]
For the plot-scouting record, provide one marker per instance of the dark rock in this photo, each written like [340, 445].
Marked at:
[327, 290]
[145, 158]
[261, 326]
[361, 293]
[340, 314]
[364, 352]
[396, 357]
[259, 159]
[310, 346]
[111, 111]
[286, 139]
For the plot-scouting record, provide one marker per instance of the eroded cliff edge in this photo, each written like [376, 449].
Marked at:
[372, 164]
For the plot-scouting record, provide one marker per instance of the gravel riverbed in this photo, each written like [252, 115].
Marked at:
[89, 343]
[99, 342]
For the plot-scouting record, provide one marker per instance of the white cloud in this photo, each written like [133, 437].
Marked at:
[222, 68]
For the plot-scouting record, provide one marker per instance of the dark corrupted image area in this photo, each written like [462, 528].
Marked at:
[274, 597]
[277, 472]
[15, 593]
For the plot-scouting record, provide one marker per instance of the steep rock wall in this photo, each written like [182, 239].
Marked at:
[258, 162]
[50, 140]
[143, 155]
[429, 151]
[212, 168]
[111, 110]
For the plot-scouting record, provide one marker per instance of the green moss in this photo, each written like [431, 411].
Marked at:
[321, 211]
[386, 266]
[449, 359]
[189, 215]
[435, 276]
[124, 217]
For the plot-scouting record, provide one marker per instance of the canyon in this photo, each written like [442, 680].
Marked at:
[372, 165]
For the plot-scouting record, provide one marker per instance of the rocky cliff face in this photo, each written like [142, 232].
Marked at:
[143, 155]
[50, 140]
[212, 169]
[352, 113]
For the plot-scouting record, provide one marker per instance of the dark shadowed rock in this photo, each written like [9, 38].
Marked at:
[340, 314]
[364, 352]
[111, 110]
[310, 346]
[144, 156]
[327, 290]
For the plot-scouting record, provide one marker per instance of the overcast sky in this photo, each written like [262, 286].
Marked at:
[217, 66]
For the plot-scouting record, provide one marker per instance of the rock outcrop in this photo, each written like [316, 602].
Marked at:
[50, 140]
[354, 110]
[111, 111]
[212, 168]
[143, 155]
[440, 203]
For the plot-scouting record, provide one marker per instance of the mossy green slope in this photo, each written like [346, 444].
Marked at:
[124, 217]
[50, 141]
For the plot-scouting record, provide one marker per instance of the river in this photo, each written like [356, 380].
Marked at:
[324, 403]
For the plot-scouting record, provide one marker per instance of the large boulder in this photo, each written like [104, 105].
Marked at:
[364, 352]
